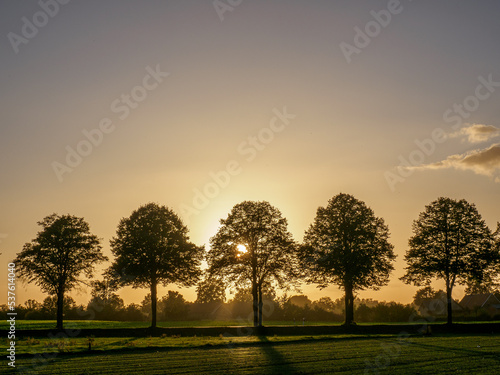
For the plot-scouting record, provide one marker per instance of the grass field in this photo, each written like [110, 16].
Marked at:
[446, 354]
[73, 324]
[77, 345]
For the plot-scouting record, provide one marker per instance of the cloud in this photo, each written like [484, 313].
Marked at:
[477, 133]
[484, 162]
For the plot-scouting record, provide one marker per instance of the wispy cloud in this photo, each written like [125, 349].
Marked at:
[483, 161]
[477, 133]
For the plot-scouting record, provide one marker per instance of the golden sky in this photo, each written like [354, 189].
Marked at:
[110, 105]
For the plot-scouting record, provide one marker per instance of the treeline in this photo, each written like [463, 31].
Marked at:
[346, 245]
[297, 309]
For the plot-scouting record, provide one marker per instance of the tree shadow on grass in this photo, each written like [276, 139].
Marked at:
[278, 363]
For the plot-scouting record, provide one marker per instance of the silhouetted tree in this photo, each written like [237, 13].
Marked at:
[489, 281]
[300, 300]
[480, 288]
[496, 273]
[451, 242]
[243, 295]
[105, 303]
[50, 305]
[324, 310]
[392, 312]
[347, 246]
[104, 289]
[424, 293]
[33, 311]
[132, 312]
[173, 306]
[364, 313]
[267, 256]
[32, 304]
[151, 247]
[325, 303]
[60, 253]
[211, 289]
[146, 305]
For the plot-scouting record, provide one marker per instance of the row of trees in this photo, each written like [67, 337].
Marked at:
[295, 309]
[346, 245]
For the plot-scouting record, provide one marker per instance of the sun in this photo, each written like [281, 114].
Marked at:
[242, 249]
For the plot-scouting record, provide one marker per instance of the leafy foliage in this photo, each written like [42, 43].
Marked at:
[269, 254]
[385, 312]
[450, 242]
[424, 293]
[347, 246]
[105, 303]
[152, 246]
[173, 306]
[60, 253]
[211, 289]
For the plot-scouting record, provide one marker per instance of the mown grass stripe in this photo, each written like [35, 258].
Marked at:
[423, 355]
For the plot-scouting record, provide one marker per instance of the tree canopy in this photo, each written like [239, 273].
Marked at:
[173, 306]
[427, 292]
[61, 252]
[251, 248]
[152, 247]
[211, 289]
[450, 242]
[347, 245]
[104, 302]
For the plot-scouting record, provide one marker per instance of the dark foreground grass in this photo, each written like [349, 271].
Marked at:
[448, 354]
[80, 345]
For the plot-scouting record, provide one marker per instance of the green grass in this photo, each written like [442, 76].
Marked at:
[38, 345]
[73, 324]
[447, 354]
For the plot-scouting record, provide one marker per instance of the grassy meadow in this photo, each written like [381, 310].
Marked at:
[344, 354]
[276, 354]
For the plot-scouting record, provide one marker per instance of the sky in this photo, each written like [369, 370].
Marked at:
[200, 105]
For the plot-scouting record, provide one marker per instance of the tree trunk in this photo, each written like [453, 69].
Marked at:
[60, 305]
[260, 305]
[448, 300]
[349, 305]
[153, 304]
[255, 305]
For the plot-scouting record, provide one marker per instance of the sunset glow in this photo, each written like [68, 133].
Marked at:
[107, 107]
[241, 249]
